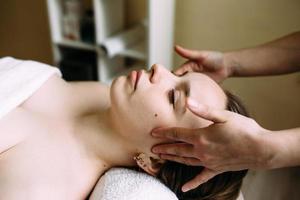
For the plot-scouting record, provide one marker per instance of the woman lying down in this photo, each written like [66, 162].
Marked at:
[57, 138]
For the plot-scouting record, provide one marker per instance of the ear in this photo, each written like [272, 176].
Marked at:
[148, 164]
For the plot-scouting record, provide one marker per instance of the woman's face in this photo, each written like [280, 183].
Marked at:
[145, 100]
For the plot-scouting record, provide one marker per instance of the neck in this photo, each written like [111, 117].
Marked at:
[100, 138]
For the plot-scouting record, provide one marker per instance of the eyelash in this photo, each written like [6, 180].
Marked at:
[172, 97]
[172, 92]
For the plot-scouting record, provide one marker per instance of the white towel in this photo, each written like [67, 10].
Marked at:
[126, 184]
[19, 79]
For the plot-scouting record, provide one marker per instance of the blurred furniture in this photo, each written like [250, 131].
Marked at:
[77, 38]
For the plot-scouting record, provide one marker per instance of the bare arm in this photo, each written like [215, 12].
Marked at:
[286, 148]
[280, 56]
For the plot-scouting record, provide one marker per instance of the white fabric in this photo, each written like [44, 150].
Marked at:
[126, 184]
[19, 79]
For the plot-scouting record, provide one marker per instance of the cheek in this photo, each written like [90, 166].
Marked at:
[152, 112]
[150, 115]
[119, 93]
[190, 120]
[140, 113]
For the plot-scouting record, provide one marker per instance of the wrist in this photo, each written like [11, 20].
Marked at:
[266, 150]
[271, 150]
[285, 148]
[230, 63]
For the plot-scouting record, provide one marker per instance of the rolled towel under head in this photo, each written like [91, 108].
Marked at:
[127, 184]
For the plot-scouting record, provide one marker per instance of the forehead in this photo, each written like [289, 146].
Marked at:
[205, 91]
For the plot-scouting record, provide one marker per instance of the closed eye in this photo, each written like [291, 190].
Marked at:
[172, 97]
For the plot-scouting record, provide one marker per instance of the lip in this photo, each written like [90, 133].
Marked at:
[138, 77]
[135, 77]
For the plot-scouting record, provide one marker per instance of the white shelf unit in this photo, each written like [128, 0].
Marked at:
[157, 47]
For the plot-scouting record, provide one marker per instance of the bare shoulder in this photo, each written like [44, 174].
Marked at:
[51, 99]
[62, 99]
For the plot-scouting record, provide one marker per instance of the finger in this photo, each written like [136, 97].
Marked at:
[188, 54]
[183, 160]
[206, 112]
[201, 178]
[182, 69]
[177, 149]
[175, 133]
[189, 65]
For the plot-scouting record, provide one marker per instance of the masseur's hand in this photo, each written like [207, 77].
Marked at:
[211, 63]
[233, 142]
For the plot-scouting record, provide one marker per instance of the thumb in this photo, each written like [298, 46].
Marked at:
[188, 66]
[183, 69]
[188, 54]
[206, 112]
[205, 175]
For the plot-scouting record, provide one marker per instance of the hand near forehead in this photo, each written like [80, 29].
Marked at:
[211, 63]
[229, 144]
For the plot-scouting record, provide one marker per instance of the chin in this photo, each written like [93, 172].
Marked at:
[115, 88]
[116, 81]
[119, 92]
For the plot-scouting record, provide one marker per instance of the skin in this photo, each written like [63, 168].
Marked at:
[280, 56]
[264, 149]
[40, 158]
[139, 103]
[88, 127]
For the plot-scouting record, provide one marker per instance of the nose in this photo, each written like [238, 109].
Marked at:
[158, 72]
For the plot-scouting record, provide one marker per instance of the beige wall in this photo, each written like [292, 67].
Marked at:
[24, 30]
[135, 11]
[234, 24]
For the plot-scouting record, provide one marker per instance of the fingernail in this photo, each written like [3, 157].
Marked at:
[154, 133]
[155, 150]
[192, 103]
[185, 189]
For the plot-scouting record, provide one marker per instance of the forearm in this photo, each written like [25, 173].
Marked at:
[283, 148]
[280, 56]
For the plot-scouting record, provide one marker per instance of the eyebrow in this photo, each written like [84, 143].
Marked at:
[186, 84]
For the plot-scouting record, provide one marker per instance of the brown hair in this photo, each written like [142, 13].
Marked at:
[225, 186]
